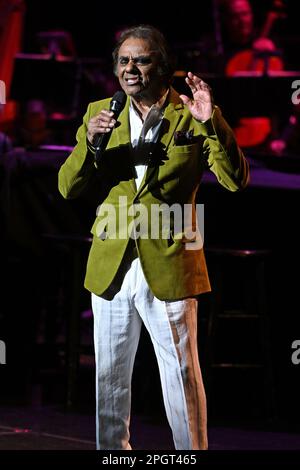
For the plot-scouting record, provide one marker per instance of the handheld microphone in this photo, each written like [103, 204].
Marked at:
[116, 105]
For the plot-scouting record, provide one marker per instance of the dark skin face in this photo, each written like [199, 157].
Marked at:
[239, 21]
[138, 72]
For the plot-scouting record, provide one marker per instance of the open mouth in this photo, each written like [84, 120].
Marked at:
[132, 80]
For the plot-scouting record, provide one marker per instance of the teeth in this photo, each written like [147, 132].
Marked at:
[132, 81]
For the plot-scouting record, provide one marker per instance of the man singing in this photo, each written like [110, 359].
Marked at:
[159, 146]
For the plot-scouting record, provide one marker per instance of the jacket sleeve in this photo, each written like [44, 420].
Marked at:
[74, 175]
[224, 157]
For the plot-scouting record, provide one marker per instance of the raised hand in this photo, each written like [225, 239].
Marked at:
[201, 105]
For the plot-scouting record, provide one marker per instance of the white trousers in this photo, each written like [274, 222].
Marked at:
[172, 326]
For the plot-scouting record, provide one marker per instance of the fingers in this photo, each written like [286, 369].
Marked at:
[185, 99]
[192, 81]
[103, 122]
[100, 124]
[196, 84]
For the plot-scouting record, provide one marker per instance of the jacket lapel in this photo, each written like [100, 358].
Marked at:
[121, 136]
[122, 132]
[172, 116]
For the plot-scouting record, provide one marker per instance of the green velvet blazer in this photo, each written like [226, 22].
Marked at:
[173, 261]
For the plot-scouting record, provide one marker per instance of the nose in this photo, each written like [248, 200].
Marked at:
[131, 65]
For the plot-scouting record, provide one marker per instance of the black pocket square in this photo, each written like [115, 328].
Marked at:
[184, 138]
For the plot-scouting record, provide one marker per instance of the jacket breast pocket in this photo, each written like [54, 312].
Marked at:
[189, 149]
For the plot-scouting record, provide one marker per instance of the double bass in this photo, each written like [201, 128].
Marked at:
[260, 59]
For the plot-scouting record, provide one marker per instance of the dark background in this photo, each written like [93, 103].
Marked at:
[189, 29]
[37, 292]
[92, 25]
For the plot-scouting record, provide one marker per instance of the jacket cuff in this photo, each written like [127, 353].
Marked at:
[90, 147]
[207, 127]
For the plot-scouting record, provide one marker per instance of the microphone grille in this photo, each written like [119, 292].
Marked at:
[118, 102]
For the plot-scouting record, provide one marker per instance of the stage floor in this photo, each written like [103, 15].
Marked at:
[52, 428]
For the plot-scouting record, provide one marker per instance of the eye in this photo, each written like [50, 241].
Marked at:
[140, 61]
[143, 60]
[123, 60]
